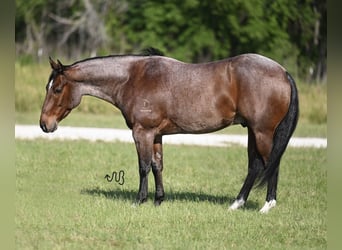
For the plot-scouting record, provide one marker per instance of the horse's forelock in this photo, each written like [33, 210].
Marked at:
[52, 78]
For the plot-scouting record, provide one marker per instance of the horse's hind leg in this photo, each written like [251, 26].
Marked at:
[271, 197]
[157, 168]
[264, 143]
[255, 166]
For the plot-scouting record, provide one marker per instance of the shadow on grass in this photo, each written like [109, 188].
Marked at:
[130, 195]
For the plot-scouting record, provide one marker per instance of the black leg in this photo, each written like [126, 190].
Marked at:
[271, 196]
[272, 186]
[144, 144]
[144, 169]
[255, 166]
[157, 168]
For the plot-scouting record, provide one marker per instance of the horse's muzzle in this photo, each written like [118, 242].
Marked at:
[46, 128]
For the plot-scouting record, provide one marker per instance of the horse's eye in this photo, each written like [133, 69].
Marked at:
[57, 90]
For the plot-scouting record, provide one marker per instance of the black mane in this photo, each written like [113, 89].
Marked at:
[150, 51]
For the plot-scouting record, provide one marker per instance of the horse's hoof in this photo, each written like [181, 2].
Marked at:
[237, 204]
[158, 202]
[135, 205]
[140, 201]
[267, 207]
[158, 199]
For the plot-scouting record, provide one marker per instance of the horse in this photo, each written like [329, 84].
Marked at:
[159, 95]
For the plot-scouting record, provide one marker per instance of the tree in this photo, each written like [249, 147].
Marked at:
[68, 27]
[291, 32]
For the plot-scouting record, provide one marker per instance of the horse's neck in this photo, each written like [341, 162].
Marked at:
[102, 78]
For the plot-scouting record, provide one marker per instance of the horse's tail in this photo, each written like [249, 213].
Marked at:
[282, 134]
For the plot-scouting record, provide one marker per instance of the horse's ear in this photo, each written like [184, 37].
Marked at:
[53, 64]
[56, 66]
[60, 64]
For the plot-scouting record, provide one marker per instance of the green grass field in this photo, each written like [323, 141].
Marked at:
[64, 202]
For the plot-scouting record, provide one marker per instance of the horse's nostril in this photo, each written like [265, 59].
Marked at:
[43, 126]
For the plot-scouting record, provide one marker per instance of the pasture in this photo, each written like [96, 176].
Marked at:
[63, 200]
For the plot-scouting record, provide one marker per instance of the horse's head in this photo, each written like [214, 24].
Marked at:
[61, 97]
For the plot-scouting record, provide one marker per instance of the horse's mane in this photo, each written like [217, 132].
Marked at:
[150, 51]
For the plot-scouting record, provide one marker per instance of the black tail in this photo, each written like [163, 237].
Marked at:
[282, 134]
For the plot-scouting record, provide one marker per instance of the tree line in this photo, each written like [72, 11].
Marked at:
[292, 32]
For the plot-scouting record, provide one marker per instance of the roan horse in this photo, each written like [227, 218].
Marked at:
[159, 96]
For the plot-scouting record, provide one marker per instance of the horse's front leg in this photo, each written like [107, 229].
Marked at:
[144, 145]
[157, 168]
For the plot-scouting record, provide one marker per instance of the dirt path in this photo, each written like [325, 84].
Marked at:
[123, 135]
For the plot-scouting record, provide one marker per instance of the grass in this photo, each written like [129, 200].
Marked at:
[64, 202]
[30, 92]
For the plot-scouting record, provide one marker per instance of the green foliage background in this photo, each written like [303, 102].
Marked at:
[291, 32]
